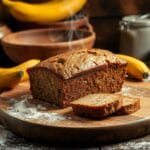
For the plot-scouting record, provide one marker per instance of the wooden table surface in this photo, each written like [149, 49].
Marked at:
[10, 141]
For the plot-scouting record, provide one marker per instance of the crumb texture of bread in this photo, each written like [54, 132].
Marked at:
[130, 105]
[69, 76]
[97, 105]
[44, 85]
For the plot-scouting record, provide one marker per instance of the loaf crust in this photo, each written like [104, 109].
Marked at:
[72, 63]
[93, 106]
[130, 105]
[69, 76]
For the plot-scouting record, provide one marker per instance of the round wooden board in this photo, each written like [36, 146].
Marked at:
[73, 129]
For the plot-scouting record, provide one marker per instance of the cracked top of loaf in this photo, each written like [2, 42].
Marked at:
[74, 62]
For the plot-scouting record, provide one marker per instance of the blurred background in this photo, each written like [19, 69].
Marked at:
[103, 15]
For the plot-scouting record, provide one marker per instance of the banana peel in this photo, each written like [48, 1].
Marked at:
[10, 80]
[136, 68]
[46, 12]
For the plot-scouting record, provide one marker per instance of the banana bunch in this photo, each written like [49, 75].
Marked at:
[136, 68]
[46, 12]
[10, 77]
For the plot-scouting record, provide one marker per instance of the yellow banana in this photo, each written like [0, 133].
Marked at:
[135, 68]
[22, 67]
[10, 80]
[46, 12]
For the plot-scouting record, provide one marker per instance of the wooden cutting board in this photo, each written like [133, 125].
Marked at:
[42, 122]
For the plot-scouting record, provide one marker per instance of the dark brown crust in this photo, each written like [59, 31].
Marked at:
[76, 62]
[83, 72]
[97, 111]
[129, 109]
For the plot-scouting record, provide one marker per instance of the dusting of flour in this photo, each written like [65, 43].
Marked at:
[22, 109]
[135, 92]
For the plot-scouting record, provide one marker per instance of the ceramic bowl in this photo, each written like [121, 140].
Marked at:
[44, 43]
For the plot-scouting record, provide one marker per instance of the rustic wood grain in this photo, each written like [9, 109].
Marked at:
[10, 141]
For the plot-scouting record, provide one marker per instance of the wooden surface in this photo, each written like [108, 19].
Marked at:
[79, 130]
[10, 141]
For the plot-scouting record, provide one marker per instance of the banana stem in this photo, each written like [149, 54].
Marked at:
[145, 75]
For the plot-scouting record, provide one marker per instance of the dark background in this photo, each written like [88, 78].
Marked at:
[104, 16]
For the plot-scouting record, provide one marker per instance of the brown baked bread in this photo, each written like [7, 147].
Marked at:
[130, 105]
[69, 76]
[97, 105]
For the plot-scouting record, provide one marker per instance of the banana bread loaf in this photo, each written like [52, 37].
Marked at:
[69, 76]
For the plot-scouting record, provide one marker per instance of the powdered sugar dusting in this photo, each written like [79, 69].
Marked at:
[22, 109]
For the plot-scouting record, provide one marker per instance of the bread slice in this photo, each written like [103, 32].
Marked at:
[97, 105]
[130, 105]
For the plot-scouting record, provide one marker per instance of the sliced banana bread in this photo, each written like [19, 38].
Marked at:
[130, 105]
[97, 105]
[69, 76]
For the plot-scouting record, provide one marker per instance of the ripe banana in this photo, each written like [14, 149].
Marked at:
[22, 67]
[10, 80]
[47, 12]
[136, 68]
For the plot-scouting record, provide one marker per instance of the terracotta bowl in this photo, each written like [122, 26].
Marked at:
[44, 43]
